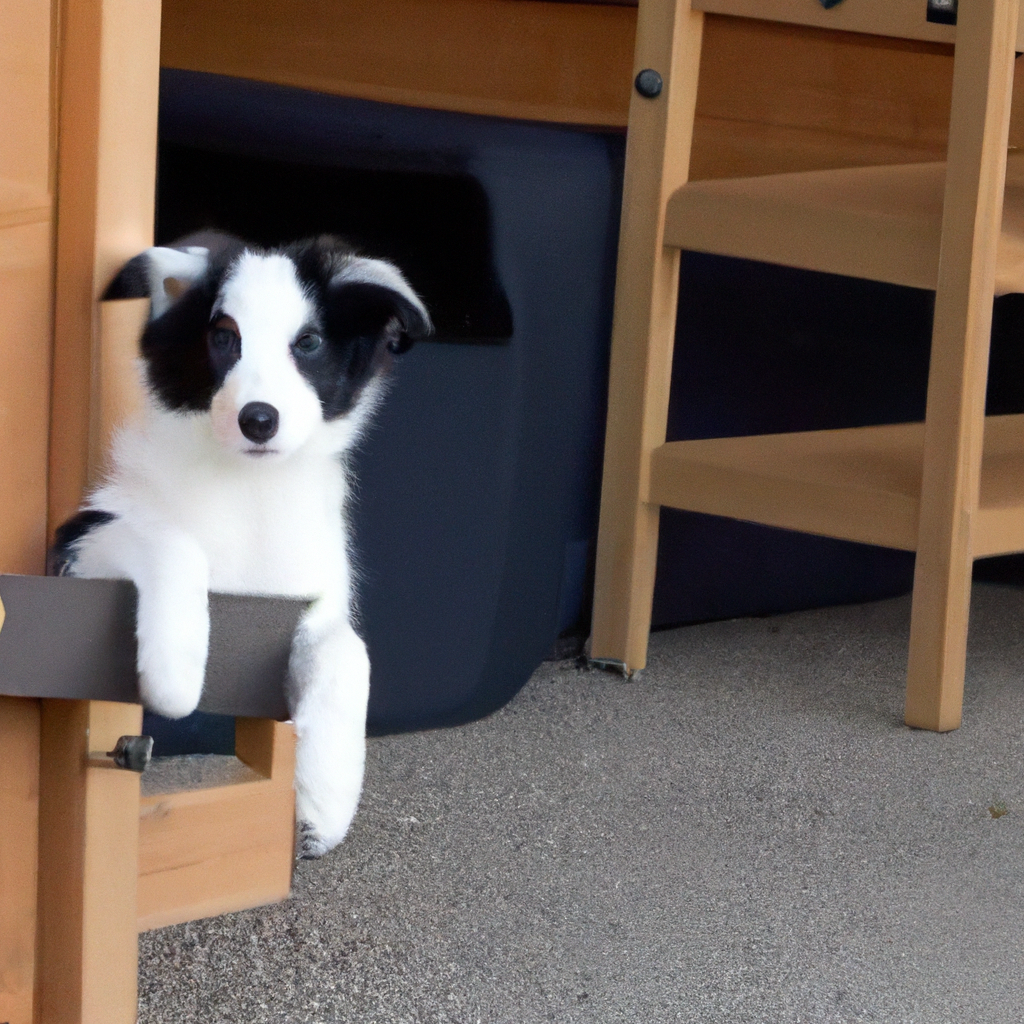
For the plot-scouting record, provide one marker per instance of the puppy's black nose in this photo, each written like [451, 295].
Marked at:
[258, 421]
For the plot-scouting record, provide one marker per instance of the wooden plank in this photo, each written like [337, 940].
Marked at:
[776, 97]
[88, 828]
[118, 394]
[25, 98]
[227, 848]
[266, 746]
[879, 223]
[219, 884]
[22, 204]
[954, 423]
[109, 77]
[860, 484]
[902, 18]
[533, 60]
[643, 331]
[19, 847]
[25, 298]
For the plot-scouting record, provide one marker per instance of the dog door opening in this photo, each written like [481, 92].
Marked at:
[435, 227]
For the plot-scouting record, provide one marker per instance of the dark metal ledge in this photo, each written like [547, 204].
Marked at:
[75, 639]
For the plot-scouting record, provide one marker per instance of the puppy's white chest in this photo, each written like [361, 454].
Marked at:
[279, 535]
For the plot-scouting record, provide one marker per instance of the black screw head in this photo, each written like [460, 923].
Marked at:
[648, 83]
[133, 752]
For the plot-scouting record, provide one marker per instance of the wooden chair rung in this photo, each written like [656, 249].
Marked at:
[879, 223]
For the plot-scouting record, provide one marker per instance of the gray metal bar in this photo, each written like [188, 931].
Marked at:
[75, 639]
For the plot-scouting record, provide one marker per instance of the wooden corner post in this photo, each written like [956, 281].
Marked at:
[108, 67]
[87, 969]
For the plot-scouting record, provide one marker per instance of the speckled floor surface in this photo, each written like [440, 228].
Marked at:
[748, 834]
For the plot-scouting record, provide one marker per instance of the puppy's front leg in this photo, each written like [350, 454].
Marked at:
[330, 678]
[172, 575]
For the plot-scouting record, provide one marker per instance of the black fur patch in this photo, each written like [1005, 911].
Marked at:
[132, 281]
[61, 557]
[179, 368]
[361, 325]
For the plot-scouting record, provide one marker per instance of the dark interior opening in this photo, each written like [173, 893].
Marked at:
[435, 227]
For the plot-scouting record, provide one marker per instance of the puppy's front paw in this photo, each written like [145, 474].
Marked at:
[172, 667]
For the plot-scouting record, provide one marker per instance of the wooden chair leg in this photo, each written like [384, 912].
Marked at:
[955, 420]
[643, 331]
[88, 865]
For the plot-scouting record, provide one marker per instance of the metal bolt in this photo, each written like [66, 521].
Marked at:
[130, 752]
[648, 83]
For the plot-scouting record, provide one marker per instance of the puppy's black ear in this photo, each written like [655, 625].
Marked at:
[371, 299]
[160, 274]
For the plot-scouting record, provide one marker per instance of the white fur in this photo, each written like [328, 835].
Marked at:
[363, 270]
[172, 265]
[197, 511]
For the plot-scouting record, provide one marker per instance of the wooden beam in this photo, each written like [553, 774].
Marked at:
[533, 60]
[878, 223]
[88, 828]
[109, 78]
[19, 846]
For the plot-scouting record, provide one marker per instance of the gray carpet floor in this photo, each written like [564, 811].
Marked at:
[746, 834]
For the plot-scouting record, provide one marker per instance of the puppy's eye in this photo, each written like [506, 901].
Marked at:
[224, 336]
[308, 342]
[222, 339]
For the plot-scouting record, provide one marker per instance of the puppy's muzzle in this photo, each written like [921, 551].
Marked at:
[258, 421]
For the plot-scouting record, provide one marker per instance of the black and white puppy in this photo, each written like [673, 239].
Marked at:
[262, 369]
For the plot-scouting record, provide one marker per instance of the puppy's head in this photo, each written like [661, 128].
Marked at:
[277, 346]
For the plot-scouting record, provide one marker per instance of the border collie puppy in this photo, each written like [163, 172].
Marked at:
[262, 369]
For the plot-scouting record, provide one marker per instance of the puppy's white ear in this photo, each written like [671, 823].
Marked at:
[160, 274]
[374, 290]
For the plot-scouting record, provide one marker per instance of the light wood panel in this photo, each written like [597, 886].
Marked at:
[25, 95]
[880, 223]
[212, 851]
[19, 824]
[26, 271]
[861, 484]
[22, 204]
[776, 98]
[25, 282]
[109, 77]
[88, 828]
[117, 388]
[543, 61]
